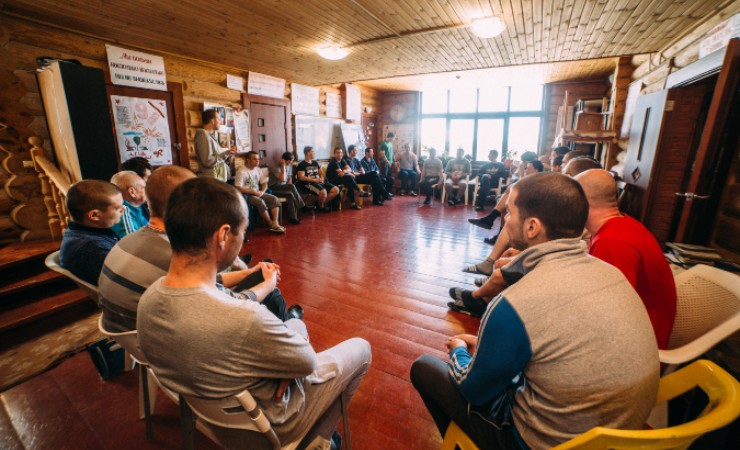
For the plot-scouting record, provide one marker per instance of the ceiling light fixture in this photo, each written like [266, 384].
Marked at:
[487, 27]
[332, 52]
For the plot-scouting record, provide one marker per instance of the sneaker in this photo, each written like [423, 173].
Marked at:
[413, 193]
[480, 223]
[402, 193]
[355, 206]
[451, 202]
[465, 303]
[491, 240]
[336, 441]
[295, 312]
[295, 221]
[480, 281]
[389, 195]
[427, 201]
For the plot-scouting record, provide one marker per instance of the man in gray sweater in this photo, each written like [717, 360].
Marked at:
[567, 347]
[202, 342]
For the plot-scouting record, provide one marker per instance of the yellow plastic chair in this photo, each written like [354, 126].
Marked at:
[456, 438]
[724, 407]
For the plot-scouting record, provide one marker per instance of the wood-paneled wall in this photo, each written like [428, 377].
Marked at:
[21, 42]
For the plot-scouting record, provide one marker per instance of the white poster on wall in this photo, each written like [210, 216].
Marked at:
[137, 69]
[260, 84]
[142, 129]
[354, 102]
[333, 105]
[234, 82]
[304, 99]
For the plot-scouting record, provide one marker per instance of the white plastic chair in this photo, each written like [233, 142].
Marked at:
[707, 312]
[52, 262]
[147, 383]
[495, 189]
[230, 413]
[462, 185]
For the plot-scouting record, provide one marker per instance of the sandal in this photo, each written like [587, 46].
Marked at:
[278, 229]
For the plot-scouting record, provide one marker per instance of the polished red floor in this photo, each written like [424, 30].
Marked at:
[381, 273]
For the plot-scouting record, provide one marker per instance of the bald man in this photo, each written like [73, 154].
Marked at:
[132, 188]
[579, 165]
[626, 244]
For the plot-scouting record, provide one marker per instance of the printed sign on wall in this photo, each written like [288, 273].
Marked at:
[304, 99]
[142, 129]
[260, 84]
[137, 69]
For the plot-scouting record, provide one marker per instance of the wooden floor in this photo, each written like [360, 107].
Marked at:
[381, 274]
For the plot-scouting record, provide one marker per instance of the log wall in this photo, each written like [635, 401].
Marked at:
[22, 117]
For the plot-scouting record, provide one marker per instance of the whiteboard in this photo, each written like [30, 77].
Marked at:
[352, 134]
[321, 133]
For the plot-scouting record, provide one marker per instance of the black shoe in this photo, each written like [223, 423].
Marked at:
[413, 193]
[378, 203]
[246, 258]
[491, 240]
[354, 206]
[458, 201]
[294, 221]
[295, 312]
[481, 223]
[451, 202]
[402, 193]
[427, 201]
[478, 208]
[325, 209]
[465, 303]
[389, 195]
[336, 441]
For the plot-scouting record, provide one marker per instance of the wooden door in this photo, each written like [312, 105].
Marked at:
[175, 116]
[270, 127]
[645, 134]
[708, 175]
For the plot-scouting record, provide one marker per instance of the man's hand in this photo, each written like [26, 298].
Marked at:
[453, 343]
[471, 341]
[506, 258]
[271, 273]
[282, 387]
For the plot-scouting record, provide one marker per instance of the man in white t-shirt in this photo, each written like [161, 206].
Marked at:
[249, 181]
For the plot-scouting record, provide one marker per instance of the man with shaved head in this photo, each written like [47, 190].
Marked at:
[132, 188]
[626, 244]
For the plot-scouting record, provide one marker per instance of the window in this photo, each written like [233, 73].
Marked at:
[432, 135]
[478, 120]
[490, 137]
[434, 102]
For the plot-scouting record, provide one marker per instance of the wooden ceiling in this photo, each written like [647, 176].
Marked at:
[387, 39]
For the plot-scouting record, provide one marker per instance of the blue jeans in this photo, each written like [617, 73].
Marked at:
[408, 179]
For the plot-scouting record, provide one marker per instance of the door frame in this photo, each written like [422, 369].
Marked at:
[716, 124]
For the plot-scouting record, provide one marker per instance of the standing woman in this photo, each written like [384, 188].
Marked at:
[212, 162]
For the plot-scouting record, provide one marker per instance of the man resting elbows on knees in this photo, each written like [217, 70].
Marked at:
[556, 354]
[95, 206]
[202, 342]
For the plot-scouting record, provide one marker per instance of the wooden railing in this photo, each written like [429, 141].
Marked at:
[54, 187]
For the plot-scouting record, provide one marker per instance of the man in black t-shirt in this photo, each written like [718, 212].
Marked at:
[490, 173]
[310, 180]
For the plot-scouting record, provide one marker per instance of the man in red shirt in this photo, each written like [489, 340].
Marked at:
[626, 244]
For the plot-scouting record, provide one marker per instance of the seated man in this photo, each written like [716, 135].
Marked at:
[489, 175]
[579, 164]
[372, 178]
[202, 342]
[626, 244]
[132, 188]
[408, 170]
[142, 257]
[457, 171]
[339, 173]
[95, 206]
[556, 354]
[141, 166]
[309, 180]
[556, 165]
[281, 185]
[431, 174]
[248, 180]
[369, 166]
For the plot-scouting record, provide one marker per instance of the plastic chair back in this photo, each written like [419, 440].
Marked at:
[706, 297]
[52, 262]
[723, 408]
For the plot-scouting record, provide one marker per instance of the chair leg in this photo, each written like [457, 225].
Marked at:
[144, 400]
[345, 422]
[187, 424]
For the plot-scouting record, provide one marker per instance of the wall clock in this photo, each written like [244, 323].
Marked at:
[397, 112]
